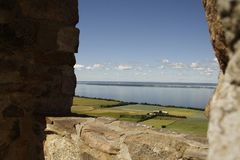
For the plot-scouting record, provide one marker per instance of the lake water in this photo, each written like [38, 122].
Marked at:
[194, 95]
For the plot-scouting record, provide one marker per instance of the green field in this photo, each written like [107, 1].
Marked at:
[194, 124]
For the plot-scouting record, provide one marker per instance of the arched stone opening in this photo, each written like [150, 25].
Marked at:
[37, 42]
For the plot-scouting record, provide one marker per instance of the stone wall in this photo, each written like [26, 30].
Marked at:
[109, 139]
[224, 126]
[37, 42]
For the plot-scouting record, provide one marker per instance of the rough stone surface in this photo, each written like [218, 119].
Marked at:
[224, 125]
[218, 40]
[38, 39]
[64, 11]
[217, 32]
[68, 39]
[109, 139]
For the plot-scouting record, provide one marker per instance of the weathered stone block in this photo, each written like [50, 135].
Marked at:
[56, 58]
[15, 130]
[224, 124]
[11, 77]
[68, 85]
[8, 5]
[25, 31]
[64, 11]
[47, 36]
[8, 65]
[13, 111]
[3, 150]
[58, 105]
[7, 36]
[67, 40]
[97, 139]
[35, 70]
[5, 16]
[86, 156]
[67, 70]
[217, 33]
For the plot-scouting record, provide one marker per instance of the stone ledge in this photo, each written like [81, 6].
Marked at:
[112, 139]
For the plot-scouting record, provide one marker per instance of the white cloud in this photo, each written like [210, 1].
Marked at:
[165, 61]
[107, 69]
[95, 66]
[139, 68]
[178, 65]
[89, 68]
[161, 67]
[207, 72]
[149, 70]
[175, 65]
[199, 68]
[194, 65]
[124, 67]
[79, 66]
[147, 65]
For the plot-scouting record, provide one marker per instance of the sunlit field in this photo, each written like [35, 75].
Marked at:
[195, 123]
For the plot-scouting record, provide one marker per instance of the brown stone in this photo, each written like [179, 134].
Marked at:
[47, 36]
[37, 41]
[218, 39]
[217, 33]
[15, 131]
[3, 150]
[12, 111]
[6, 16]
[25, 30]
[68, 39]
[55, 58]
[7, 5]
[68, 85]
[54, 10]
[86, 156]
[55, 105]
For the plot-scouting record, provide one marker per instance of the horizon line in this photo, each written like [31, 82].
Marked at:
[147, 82]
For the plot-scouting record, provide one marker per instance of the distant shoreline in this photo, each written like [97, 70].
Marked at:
[150, 84]
[144, 103]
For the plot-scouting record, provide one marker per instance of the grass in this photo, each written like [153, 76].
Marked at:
[194, 124]
[80, 101]
[158, 123]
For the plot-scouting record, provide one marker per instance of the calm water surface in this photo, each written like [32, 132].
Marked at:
[189, 97]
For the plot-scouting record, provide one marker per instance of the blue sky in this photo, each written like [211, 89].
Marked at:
[144, 40]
